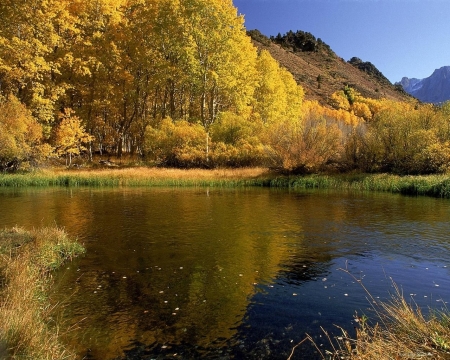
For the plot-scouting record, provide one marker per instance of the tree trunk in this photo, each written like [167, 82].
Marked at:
[207, 147]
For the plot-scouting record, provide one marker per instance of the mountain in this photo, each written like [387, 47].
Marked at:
[433, 89]
[321, 72]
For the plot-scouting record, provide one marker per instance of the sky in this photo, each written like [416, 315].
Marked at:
[400, 37]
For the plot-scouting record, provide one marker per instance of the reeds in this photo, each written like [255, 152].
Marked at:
[402, 332]
[398, 330]
[27, 259]
[428, 185]
[140, 176]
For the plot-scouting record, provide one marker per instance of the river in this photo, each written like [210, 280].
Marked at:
[232, 273]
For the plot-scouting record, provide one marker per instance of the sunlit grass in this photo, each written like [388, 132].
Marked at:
[398, 329]
[402, 332]
[139, 176]
[27, 259]
[429, 185]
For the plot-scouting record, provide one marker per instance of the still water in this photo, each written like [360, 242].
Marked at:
[232, 274]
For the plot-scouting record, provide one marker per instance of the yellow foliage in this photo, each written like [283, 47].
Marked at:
[277, 96]
[362, 110]
[339, 101]
[20, 134]
[70, 136]
[178, 143]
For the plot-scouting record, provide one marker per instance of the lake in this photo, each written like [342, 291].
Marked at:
[232, 273]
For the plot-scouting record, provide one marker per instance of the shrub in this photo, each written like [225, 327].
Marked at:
[20, 136]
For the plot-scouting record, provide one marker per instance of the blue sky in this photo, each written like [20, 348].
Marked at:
[400, 37]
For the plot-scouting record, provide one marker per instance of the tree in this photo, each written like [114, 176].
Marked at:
[20, 135]
[70, 136]
[277, 96]
[221, 60]
[32, 46]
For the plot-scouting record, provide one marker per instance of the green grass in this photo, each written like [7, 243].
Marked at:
[27, 260]
[429, 185]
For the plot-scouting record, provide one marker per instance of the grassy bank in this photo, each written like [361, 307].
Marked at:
[401, 332]
[27, 259]
[397, 329]
[141, 176]
[429, 185]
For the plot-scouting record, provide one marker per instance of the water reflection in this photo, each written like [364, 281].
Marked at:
[230, 273]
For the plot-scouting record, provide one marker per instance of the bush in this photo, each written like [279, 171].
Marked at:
[177, 144]
[20, 136]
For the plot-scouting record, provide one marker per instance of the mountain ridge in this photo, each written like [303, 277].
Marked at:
[433, 89]
[321, 72]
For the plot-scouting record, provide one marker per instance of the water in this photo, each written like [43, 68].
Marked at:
[232, 274]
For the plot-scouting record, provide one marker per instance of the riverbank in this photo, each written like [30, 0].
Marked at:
[428, 185]
[27, 259]
[398, 330]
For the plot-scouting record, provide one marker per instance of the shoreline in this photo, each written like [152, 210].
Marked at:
[416, 185]
[27, 261]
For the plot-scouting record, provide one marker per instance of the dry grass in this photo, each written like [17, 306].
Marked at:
[401, 332]
[139, 176]
[170, 173]
[26, 260]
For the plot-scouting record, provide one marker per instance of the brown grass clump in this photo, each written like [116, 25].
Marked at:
[402, 332]
[172, 173]
[27, 258]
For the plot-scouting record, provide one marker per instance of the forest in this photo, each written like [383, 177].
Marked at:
[180, 84]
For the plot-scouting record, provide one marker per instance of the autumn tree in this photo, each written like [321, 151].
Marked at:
[32, 46]
[70, 136]
[20, 135]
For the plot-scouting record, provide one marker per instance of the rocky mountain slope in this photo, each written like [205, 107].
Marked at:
[433, 89]
[321, 72]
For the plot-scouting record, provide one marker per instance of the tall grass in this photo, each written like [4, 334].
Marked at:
[403, 332]
[27, 259]
[140, 177]
[429, 185]
[399, 330]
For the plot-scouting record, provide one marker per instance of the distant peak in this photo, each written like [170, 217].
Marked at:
[433, 89]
